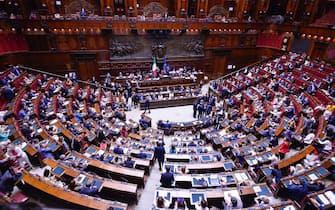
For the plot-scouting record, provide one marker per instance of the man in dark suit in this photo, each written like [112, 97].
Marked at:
[167, 178]
[159, 154]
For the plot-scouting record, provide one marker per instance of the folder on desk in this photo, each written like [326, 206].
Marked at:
[58, 171]
[101, 152]
[196, 197]
[53, 146]
[257, 189]
[244, 176]
[97, 183]
[322, 171]
[149, 155]
[82, 179]
[313, 176]
[303, 179]
[205, 158]
[91, 150]
[228, 166]
[331, 196]
[238, 177]
[321, 199]
[263, 190]
[213, 180]
[267, 171]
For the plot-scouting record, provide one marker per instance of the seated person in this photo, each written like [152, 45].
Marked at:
[298, 169]
[262, 199]
[180, 204]
[276, 173]
[202, 205]
[143, 123]
[296, 191]
[8, 180]
[141, 154]
[118, 150]
[326, 145]
[311, 159]
[162, 203]
[232, 202]
[45, 151]
[129, 163]
[314, 186]
[167, 178]
[88, 189]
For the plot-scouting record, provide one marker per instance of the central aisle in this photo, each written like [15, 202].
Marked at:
[173, 114]
[176, 114]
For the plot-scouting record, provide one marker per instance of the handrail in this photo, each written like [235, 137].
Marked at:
[243, 68]
[63, 77]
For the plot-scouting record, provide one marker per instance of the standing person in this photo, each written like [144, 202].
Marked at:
[147, 105]
[159, 154]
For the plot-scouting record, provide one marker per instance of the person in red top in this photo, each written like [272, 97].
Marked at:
[124, 132]
[284, 148]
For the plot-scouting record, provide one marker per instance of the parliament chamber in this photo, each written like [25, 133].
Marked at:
[167, 104]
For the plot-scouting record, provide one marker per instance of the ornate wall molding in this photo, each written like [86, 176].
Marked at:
[154, 8]
[75, 6]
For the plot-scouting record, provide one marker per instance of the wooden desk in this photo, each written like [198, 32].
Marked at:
[108, 185]
[142, 164]
[324, 199]
[297, 157]
[117, 172]
[176, 101]
[135, 136]
[214, 195]
[74, 198]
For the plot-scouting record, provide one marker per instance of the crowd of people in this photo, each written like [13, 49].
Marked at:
[256, 101]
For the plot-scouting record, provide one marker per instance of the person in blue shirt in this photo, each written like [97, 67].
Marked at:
[159, 154]
[129, 163]
[147, 104]
[296, 191]
[276, 173]
[46, 152]
[22, 113]
[192, 144]
[8, 92]
[144, 125]
[118, 150]
[173, 149]
[88, 189]
[3, 81]
[167, 178]
[141, 154]
[8, 180]
[78, 117]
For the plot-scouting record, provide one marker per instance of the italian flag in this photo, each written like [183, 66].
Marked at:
[154, 67]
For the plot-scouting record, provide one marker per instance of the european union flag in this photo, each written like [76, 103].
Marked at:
[165, 66]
